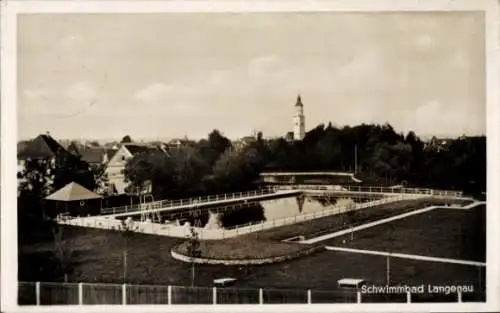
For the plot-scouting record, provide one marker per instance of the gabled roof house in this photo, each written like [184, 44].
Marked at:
[116, 164]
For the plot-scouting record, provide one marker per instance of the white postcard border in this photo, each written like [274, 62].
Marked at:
[8, 182]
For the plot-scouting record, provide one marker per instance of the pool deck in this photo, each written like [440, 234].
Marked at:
[407, 256]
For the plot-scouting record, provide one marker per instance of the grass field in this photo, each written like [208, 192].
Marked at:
[97, 257]
[269, 243]
[446, 233]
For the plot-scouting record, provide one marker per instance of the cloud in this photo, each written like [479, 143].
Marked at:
[152, 92]
[80, 91]
[77, 98]
[220, 78]
[438, 117]
[158, 91]
[431, 108]
[257, 72]
[265, 66]
[361, 70]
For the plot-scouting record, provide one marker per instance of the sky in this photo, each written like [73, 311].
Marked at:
[169, 75]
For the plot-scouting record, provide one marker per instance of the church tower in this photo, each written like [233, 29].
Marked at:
[299, 128]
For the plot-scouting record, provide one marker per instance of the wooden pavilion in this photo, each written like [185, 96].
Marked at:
[74, 200]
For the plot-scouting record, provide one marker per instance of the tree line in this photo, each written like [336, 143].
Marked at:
[376, 153]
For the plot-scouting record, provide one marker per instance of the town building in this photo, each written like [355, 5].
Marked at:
[116, 165]
[94, 156]
[299, 127]
[438, 144]
[42, 147]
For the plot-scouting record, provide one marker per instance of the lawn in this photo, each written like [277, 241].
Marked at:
[269, 243]
[443, 233]
[322, 270]
[98, 259]
[96, 255]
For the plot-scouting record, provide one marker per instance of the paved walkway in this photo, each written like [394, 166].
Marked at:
[387, 220]
[407, 256]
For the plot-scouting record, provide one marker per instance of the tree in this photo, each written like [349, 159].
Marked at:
[70, 168]
[101, 179]
[193, 250]
[211, 149]
[383, 157]
[36, 178]
[228, 170]
[126, 139]
[218, 142]
[155, 168]
[189, 169]
[39, 178]
[238, 169]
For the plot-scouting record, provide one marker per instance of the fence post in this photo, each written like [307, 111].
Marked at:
[80, 293]
[37, 292]
[261, 296]
[124, 294]
[169, 295]
[309, 296]
[358, 297]
[214, 295]
[408, 297]
[459, 296]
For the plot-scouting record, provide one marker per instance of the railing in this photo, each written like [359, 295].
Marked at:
[274, 189]
[221, 233]
[41, 293]
[188, 201]
[307, 173]
[237, 231]
[360, 189]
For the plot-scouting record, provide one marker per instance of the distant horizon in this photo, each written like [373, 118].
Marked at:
[102, 140]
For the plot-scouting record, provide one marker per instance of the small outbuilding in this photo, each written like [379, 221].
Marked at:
[73, 200]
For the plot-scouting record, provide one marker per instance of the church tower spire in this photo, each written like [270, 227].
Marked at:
[299, 101]
[299, 129]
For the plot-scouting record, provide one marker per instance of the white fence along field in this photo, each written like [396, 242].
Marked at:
[45, 293]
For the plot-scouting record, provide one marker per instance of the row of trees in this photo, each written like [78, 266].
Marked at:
[41, 177]
[376, 153]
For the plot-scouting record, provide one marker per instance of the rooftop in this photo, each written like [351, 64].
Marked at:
[43, 146]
